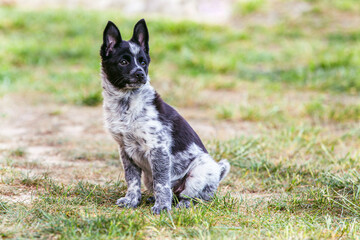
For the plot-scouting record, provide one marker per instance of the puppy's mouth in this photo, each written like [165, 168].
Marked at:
[135, 85]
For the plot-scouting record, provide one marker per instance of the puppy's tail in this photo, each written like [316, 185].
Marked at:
[224, 168]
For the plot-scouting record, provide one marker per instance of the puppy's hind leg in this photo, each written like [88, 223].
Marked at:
[201, 182]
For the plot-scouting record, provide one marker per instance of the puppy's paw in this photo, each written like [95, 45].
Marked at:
[126, 202]
[184, 203]
[157, 209]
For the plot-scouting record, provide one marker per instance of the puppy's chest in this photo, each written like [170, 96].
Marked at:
[136, 128]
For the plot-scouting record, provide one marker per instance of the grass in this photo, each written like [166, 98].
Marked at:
[245, 7]
[318, 110]
[62, 59]
[304, 200]
[18, 152]
[292, 86]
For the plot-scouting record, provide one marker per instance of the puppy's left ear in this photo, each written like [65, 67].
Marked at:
[141, 35]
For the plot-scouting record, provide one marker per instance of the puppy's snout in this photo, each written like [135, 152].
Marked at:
[140, 75]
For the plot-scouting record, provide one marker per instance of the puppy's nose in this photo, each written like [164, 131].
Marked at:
[140, 76]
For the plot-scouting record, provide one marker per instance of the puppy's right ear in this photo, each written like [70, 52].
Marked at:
[111, 38]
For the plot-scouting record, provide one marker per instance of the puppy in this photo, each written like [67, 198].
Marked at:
[154, 140]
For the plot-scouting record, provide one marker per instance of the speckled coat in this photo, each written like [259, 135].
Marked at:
[154, 140]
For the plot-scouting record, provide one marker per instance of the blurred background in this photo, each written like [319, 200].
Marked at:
[212, 44]
[205, 44]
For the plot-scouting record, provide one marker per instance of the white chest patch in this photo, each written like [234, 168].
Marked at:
[133, 122]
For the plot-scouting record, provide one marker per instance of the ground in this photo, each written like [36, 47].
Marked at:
[279, 100]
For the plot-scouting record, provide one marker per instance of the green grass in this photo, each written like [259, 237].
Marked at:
[18, 152]
[245, 7]
[61, 59]
[338, 112]
[278, 199]
[292, 86]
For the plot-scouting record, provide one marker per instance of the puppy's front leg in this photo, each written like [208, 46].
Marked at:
[160, 166]
[133, 179]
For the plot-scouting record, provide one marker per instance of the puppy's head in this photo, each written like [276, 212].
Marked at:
[125, 63]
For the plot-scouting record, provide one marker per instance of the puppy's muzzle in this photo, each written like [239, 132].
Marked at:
[140, 76]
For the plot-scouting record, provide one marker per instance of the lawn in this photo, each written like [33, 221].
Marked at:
[280, 101]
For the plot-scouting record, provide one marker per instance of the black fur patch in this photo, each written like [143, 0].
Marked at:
[182, 133]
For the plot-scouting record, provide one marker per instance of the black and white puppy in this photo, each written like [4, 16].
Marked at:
[154, 140]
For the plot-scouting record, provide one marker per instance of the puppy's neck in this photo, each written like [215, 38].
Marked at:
[112, 94]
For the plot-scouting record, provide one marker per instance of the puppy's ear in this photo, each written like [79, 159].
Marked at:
[141, 35]
[111, 38]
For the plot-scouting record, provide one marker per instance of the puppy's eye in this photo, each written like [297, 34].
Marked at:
[124, 62]
[143, 63]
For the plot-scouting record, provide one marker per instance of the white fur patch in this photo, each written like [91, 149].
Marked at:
[134, 49]
[135, 68]
[208, 165]
[136, 63]
[133, 186]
